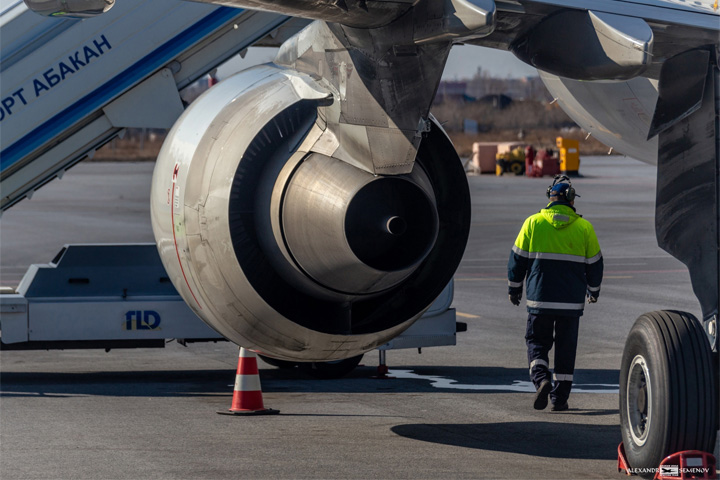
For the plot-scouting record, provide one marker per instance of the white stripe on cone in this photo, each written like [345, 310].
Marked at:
[247, 383]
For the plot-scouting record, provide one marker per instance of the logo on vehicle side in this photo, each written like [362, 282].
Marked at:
[142, 320]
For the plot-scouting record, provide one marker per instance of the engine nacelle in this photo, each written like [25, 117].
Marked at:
[618, 114]
[288, 251]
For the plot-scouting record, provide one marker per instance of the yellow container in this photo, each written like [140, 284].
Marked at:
[569, 155]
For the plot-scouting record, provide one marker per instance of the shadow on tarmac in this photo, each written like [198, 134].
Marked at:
[540, 439]
[116, 384]
[474, 378]
[176, 383]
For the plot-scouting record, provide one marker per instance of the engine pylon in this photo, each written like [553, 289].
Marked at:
[247, 395]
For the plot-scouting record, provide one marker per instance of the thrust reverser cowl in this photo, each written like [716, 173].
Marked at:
[294, 253]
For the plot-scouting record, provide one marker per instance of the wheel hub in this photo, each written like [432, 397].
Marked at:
[639, 400]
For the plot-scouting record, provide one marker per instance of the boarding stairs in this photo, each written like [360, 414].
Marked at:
[68, 86]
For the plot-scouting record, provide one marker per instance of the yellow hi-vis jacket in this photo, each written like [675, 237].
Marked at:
[558, 254]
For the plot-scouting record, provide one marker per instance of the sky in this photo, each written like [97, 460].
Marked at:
[465, 59]
[463, 62]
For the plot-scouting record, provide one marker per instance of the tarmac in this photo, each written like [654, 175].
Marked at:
[451, 412]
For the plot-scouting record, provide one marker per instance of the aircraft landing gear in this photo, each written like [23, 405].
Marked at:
[668, 397]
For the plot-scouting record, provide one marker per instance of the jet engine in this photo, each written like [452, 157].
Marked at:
[286, 250]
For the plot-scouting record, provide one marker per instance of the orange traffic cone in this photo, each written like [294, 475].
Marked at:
[247, 396]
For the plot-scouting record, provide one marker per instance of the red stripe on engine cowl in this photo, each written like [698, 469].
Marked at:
[172, 218]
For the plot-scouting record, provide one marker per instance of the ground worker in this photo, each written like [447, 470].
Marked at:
[558, 254]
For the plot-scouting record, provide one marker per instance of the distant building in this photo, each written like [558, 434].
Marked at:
[526, 88]
[499, 101]
[451, 91]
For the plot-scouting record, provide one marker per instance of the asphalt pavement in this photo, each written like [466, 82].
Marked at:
[451, 412]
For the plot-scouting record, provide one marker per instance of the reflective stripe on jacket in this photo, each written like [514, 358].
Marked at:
[558, 255]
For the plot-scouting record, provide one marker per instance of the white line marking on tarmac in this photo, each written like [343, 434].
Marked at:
[517, 385]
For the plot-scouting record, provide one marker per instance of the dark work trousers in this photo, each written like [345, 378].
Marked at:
[539, 340]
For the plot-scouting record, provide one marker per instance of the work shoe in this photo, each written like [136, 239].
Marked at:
[560, 407]
[541, 396]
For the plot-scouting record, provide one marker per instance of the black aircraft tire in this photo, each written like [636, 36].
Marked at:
[668, 401]
[282, 364]
[331, 370]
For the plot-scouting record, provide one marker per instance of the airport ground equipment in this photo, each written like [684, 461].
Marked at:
[119, 296]
[70, 85]
[541, 163]
[98, 296]
[569, 153]
[484, 155]
[530, 153]
[512, 161]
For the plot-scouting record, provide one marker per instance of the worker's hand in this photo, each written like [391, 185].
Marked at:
[592, 297]
[515, 298]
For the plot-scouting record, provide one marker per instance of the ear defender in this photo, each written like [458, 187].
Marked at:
[570, 194]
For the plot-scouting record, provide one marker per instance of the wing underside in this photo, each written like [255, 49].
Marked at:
[629, 30]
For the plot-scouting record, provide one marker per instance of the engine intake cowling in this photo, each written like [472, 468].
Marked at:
[291, 252]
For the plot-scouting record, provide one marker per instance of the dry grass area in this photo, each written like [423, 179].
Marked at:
[131, 149]
[539, 121]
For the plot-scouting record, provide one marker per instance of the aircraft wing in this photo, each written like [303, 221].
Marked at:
[543, 32]
[363, 13]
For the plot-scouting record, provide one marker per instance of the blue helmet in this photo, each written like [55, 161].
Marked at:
[562, 187]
